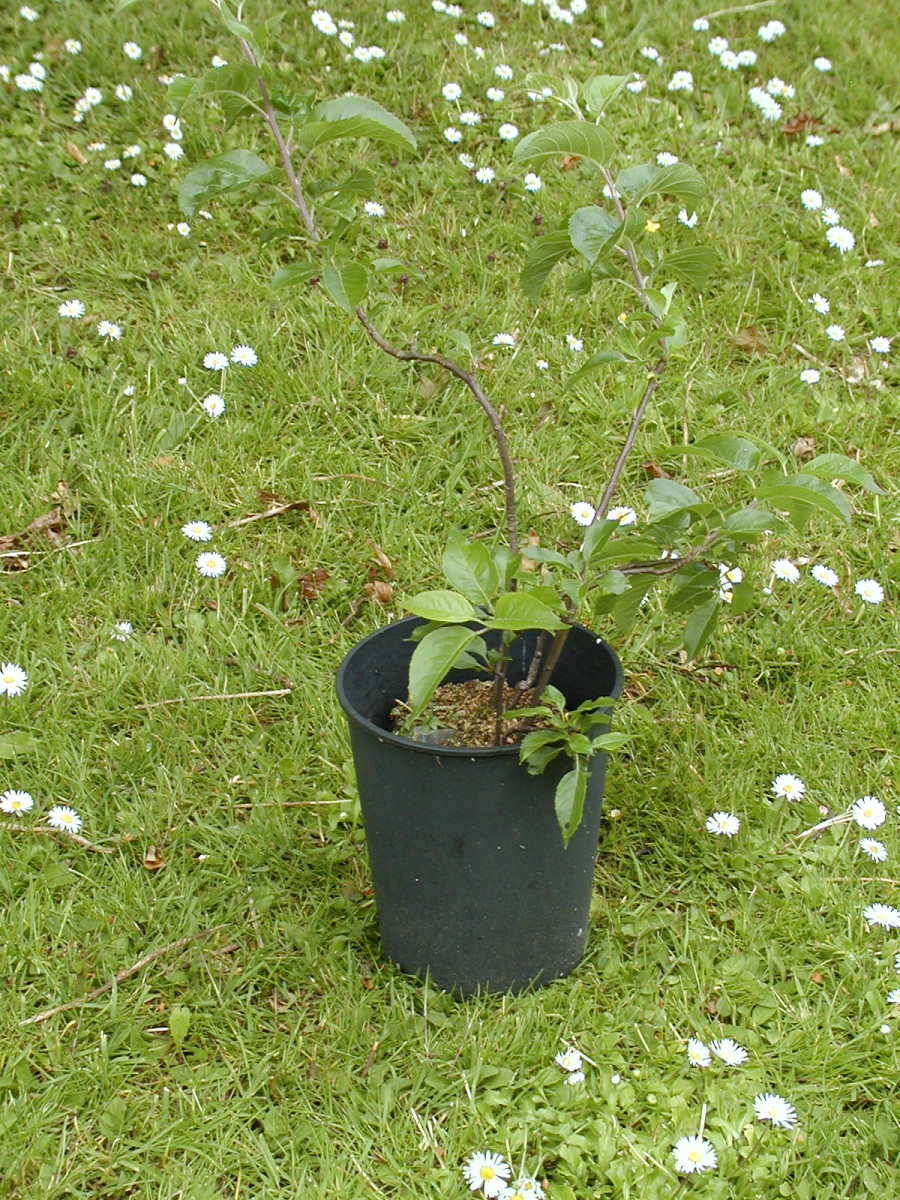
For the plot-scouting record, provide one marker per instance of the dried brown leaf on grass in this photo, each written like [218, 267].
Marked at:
[277, 507]
[14, 547]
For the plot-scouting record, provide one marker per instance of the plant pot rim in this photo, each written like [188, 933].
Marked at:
[473, 752]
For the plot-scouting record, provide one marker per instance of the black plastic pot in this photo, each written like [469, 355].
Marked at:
[472, 884]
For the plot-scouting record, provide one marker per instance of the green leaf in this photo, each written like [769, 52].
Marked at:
[594, 232]
[608, 742]
[602, 359]
[580, 139]
[434, 656]
[678, 180]
[624, 608]
[256, 41]
[354, 116]
[614, 583]
[801, 495]
[743, 598]
[295, 273]
[542, 258]
[16, 742]
[750, 522]
[539, 748]
[839, 466]
[700, 627]
[693, 584]
[596, 536]
[598, 93]
[694, 265]
[237, 84]
[470, 569]
[441, 605]
[179, 1024]
[734, 452]
[346, 285]
[519, 610]
[665, 495]
[631, 180]
[569, 800]
[112, 1118]
[217, 176]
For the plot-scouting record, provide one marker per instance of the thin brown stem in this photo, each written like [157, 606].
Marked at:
[299, 200]
[413, 355]
[652, 384]
[120, 976]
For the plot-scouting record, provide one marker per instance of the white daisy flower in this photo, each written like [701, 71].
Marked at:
[452, 134]
[623, 514]
[783, 568]
[811, 199]
[813, 139]
[183, 229]
[868, 812]
[15, 802]
[569, 1060]
[71, 309]
[213, 405]
[700, 25]
[173, 151]
[61, 816]
[534, 183]
[469, 117]
[876, 850]
[486, 1171]
[869, 590]
[495, 94]
[723, 824]
[824, 575]
[451, 91]
[124, 92]
[880, 345]
[831, 216]
[485, 174]
[218, 61]
[508, 132]
[574, 343]
[372, 209]
[503, 339]
[665, 159]
[503, 71]
[789, 787]
[837, 333]
[681, 81]
[729, 1051]
[698, 1053]
[197, 531]
[112, 164]
[774, 1108]
[819, 303]
[746, 58]
[882, 914]
[840, 238]
[72, 46]
[210, 564]
[693, 1155]
[688, 221]
[810, 375]
[582, 512]
[893, 997]
[138, 180]
[132, 50]
[215, 360]
[717, 46]
[822, 63]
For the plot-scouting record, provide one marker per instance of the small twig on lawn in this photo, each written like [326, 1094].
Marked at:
[223, 696]
[61, 833]
[278, 510]
[725, 12]
[120, 976]
[842, 819]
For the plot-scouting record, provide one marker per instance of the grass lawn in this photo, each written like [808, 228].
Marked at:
[267, 1050]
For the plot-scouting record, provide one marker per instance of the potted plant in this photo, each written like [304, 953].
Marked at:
[483, 847]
